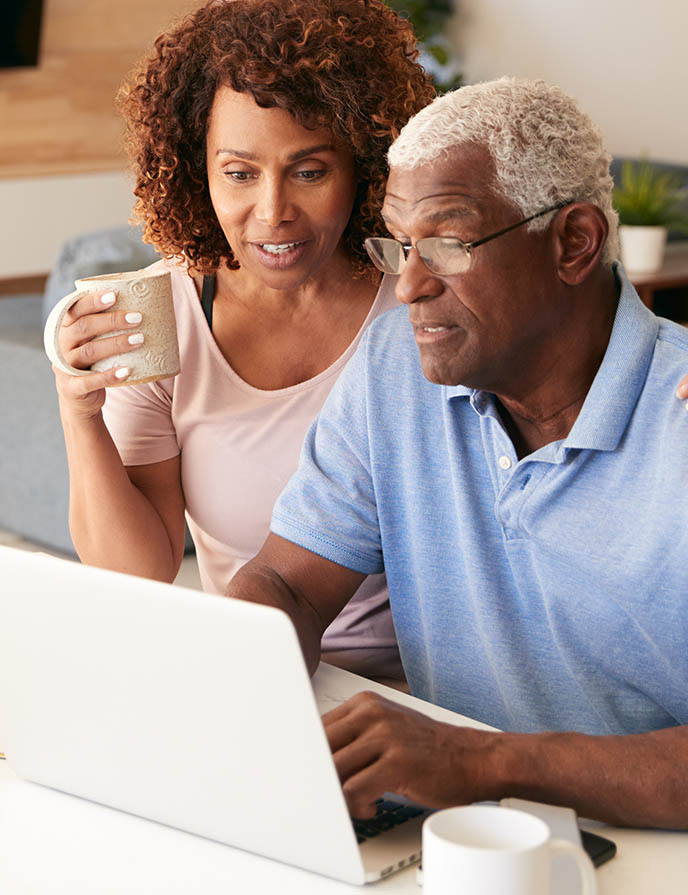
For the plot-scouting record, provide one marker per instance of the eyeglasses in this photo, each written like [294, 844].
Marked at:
[442, 255]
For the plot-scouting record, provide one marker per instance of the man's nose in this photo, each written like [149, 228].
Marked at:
[274, 205]
[416, 281]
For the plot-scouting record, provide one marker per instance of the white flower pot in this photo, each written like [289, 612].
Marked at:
[642, 248]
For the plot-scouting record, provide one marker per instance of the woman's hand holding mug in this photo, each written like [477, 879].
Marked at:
[117, 329]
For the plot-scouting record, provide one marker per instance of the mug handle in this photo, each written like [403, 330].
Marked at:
[580, 856]
[52, 330]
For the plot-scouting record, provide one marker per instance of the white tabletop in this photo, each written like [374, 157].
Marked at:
[53, 844]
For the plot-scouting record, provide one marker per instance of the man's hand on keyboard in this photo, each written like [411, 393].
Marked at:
[380, 746]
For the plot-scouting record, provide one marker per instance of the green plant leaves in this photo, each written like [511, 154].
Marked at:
[428, 18]
[649, 197]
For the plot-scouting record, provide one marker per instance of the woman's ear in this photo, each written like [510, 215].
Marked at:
[580, 233]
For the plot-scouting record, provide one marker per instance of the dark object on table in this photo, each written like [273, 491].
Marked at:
[598, 848]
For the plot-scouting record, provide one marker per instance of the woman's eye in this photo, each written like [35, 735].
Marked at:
[239, 176]
[310, 174]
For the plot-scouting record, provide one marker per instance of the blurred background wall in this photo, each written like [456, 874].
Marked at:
[623, 60]
[62, 171]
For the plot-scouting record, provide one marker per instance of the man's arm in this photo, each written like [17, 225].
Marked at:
[310, 589]
[380, 746]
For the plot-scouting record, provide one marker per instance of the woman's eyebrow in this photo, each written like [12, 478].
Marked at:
[312, 150]
[240, 153]
[294, 157]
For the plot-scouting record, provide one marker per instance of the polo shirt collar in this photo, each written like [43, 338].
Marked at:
[617, 385]
[616, 388]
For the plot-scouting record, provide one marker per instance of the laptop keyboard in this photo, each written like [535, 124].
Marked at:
[388, 814]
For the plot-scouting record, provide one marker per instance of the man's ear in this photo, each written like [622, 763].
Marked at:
[580, 233]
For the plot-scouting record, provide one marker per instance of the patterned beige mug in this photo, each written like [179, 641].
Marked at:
[149, 292]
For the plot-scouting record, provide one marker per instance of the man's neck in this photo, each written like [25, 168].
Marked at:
[544, 409]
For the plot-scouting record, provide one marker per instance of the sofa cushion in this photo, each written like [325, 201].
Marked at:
[34, 493]
[101, 251]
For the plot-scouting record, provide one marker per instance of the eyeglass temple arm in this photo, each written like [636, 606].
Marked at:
[478, 242]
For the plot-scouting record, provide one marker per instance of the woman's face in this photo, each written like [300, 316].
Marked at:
[283, 195]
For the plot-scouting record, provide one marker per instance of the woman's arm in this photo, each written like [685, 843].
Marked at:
[126, 520]
[309, 588]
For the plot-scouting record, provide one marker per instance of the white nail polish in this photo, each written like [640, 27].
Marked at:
[108, 299]
[122, 373]
[136, 339]
[133, 317]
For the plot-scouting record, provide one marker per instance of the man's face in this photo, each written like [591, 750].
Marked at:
[481, 327]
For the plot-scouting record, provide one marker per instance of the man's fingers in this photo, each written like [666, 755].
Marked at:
[362, 703]
[335, 714]
[341, 732]
[358, 754]
[363, 789]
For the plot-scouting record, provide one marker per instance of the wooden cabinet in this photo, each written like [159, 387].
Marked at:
[60, 118]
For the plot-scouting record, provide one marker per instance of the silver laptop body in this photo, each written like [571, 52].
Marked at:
[187, 708]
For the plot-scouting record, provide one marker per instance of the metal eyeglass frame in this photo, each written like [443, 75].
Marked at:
[467, 246]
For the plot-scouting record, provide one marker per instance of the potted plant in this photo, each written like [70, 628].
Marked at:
[429, 18]
[648, 201]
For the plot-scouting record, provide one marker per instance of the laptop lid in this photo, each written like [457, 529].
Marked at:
[187, 708]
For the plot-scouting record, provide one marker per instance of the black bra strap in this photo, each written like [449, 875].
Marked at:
[207, 296]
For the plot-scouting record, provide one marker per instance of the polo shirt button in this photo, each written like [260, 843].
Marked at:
[505, 462]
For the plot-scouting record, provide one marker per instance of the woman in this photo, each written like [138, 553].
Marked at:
[258, 132]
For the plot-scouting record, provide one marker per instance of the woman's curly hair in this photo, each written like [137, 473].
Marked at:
[348, 65]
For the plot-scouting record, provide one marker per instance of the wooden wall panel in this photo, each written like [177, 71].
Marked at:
[59, 118]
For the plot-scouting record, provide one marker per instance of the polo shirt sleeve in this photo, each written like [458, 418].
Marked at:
[328, 506]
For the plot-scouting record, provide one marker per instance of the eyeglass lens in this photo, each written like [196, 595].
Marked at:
[386, 254]
[443, 256]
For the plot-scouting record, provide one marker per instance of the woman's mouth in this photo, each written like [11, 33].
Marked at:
[279, 255]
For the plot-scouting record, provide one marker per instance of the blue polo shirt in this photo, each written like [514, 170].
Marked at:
[545, 593]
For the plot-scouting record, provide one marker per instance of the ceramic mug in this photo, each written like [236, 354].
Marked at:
[488, 850]
[150, 293]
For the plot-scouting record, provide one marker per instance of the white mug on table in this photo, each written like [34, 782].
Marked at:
[488, 850]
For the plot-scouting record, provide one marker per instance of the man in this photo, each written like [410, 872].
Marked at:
[521, 486]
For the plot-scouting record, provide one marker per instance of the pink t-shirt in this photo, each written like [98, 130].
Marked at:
[239, 445]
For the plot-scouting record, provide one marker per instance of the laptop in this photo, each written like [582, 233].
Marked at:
[190, 709]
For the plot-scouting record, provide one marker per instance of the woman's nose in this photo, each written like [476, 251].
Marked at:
[416, 281]
[274, 205]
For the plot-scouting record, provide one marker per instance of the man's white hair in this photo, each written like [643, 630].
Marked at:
[544, 148]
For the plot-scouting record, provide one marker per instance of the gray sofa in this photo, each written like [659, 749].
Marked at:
[33, 465]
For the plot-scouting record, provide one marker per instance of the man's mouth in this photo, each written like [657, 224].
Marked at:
[430, 333]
